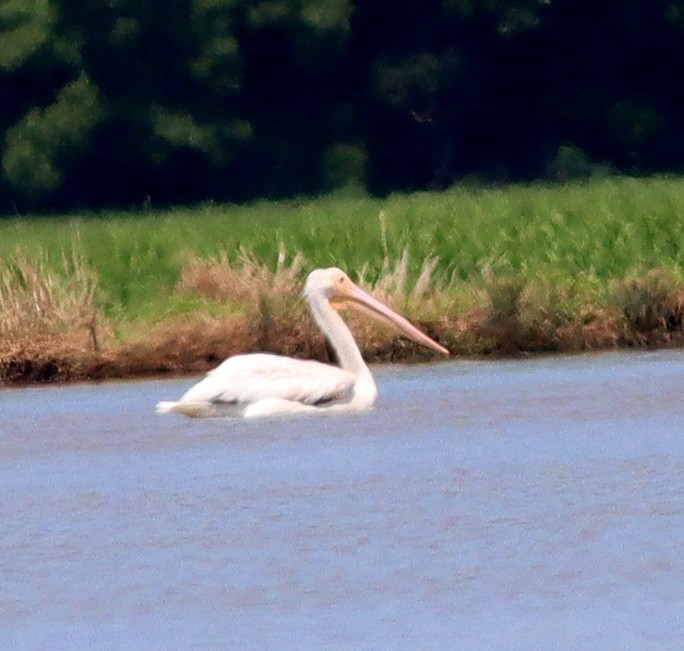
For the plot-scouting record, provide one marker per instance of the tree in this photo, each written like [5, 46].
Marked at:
[124, 101]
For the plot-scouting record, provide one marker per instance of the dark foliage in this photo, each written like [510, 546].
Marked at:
[123, 102]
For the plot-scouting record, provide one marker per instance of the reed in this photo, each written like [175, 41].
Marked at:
[484, 270]
[49, 317]
[603, 230]
[36, 300]
[652, 307]
[245, 281]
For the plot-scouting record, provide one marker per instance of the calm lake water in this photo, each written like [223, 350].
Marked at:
[481, 505]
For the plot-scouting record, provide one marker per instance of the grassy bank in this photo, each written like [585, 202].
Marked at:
[520, 268]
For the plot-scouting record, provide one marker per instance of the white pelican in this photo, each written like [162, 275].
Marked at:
[262, 384]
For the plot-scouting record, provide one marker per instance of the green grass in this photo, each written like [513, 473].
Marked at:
[594, 232]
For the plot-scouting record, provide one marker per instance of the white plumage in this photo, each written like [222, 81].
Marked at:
[262, 384]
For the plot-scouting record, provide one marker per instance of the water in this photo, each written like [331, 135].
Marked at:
[508, 505]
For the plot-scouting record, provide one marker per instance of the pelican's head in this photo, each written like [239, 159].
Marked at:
[334, 287]
[332, 283]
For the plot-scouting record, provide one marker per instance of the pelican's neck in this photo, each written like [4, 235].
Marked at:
[339, 336]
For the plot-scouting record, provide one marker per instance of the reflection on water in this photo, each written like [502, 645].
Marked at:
[480, 505]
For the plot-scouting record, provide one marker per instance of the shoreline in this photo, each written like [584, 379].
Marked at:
[519, 270]
[179, 353]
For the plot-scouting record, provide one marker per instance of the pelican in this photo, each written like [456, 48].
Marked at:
[262, 384]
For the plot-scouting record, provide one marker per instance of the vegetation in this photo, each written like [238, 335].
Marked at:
[125, 103]
[485, 270]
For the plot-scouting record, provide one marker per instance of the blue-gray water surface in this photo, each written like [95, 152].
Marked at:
[482, 505]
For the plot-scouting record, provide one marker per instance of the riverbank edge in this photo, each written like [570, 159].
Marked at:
[197, 346]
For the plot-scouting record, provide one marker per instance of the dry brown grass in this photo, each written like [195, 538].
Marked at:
[547, 315]
[49, 319]
[35, 300]
[245, 281]
[527, 315]
[268, 298]
[50, 327]
[652, 307]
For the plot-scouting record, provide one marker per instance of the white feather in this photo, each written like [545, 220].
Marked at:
[249, 378]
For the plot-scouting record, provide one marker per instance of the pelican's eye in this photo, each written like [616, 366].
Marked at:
[340, 280]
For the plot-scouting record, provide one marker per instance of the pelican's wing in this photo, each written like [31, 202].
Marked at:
[249, 378]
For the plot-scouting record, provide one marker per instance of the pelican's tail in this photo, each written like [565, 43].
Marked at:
[193, 409]
[165, 407]
[199, 409]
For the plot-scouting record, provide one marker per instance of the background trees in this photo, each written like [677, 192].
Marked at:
[125, 101]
